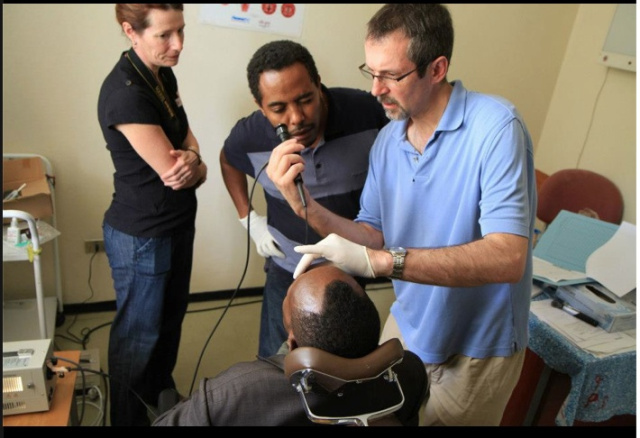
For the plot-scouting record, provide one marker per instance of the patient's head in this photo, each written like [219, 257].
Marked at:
[327, 309]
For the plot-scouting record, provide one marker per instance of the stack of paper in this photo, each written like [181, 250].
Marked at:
[591, 339]
[577, 249]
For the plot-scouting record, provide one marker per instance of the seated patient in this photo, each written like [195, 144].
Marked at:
[324, 308]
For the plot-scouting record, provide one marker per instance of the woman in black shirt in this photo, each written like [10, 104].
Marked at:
[149, 227]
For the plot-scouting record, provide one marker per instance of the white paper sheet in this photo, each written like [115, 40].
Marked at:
[571, 238]
[12, 253]
[614, 264]
[565, 247]
[545, 270]
[591, 339]
[276, 18]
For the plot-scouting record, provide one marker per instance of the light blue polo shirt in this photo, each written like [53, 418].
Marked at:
[475, 177]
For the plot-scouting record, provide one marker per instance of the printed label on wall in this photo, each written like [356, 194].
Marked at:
[278, 18]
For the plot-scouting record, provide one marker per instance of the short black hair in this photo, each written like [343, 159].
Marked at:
[348, 325]
[278, 55]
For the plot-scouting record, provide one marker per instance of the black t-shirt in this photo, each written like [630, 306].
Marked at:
[142, 206]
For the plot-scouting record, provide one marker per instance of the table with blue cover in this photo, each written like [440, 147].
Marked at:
[601, 387]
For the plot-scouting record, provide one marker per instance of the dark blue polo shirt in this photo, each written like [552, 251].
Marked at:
[335, 171]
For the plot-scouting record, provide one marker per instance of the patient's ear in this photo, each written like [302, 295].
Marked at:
[291, 342]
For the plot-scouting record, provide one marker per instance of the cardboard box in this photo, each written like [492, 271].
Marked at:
[612, 313]
[35, 197]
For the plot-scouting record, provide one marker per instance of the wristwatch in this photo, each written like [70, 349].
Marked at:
[398, 254]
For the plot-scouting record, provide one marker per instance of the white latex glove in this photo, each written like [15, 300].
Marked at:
[266, 245]
[346, 255]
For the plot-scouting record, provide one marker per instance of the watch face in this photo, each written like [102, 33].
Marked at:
[398, 249]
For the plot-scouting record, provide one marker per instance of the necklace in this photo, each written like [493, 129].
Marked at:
[158, 89]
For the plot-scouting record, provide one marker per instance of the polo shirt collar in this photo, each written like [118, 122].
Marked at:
[453, 115]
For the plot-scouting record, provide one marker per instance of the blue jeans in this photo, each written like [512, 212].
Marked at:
[272, 332]
[151, 277]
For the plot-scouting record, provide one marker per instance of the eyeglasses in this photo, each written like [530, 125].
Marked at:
[384, 78]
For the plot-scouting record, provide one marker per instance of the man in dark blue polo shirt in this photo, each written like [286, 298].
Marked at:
[338, 126]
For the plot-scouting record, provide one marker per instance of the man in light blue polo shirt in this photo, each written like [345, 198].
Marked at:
[447, 211]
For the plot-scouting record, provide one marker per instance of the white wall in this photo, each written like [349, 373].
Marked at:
[56, 56]
[591, 122]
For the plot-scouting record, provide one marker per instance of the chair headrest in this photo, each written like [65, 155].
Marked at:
[367, 367]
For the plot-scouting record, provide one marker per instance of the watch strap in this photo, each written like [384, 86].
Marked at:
[398, 255]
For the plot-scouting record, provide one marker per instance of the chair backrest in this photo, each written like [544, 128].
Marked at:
[579, 191]
[336, 390]
[541, 177]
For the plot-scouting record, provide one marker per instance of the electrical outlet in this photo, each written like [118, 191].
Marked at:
[93, 245]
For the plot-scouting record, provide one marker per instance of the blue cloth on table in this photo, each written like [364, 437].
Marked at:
[600, 387]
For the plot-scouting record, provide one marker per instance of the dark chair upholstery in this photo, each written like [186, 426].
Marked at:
[386, 387]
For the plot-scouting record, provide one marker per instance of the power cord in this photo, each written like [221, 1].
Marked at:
[593, 112]
[87, 332]
[64, 370]
[72, 337]
[95, 393]
[244, 273]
